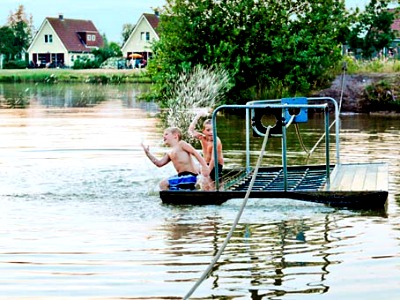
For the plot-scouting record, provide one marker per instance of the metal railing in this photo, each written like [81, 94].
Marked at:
[275, 104]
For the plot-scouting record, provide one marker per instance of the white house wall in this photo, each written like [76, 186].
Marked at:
[135, 44]
[39, 45]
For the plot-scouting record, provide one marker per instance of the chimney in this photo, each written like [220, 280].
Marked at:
[61, 16]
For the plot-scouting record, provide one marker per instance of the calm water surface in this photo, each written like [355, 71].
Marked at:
[81, 218]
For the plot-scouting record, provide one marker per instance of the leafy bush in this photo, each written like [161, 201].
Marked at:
[380, 97]
[86, 63]
[15, 64]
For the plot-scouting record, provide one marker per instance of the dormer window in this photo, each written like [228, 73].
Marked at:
[91, 37]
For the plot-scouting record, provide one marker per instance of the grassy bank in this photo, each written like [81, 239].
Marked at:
[99, 76]
[384, 65]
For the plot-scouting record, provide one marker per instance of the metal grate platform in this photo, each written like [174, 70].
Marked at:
[298, 179]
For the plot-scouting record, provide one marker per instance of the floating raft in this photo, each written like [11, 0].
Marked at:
[353, 186]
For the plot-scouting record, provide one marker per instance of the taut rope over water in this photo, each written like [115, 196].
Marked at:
[344, 68]
[230, 233]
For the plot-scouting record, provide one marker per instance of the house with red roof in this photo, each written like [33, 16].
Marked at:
[396, 28]
[139, 42]
[60, 42]
[395, 45]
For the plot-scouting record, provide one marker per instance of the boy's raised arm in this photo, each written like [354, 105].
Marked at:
[192, 125]
[158, 162]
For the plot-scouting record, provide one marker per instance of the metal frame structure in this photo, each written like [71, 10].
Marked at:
[285, 107]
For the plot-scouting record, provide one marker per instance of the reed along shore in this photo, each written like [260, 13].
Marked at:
[94, 76]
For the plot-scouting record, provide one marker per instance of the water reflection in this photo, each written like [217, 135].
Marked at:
[268, 260]
[67, 95]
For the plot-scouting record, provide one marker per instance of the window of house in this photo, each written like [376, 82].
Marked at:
[145, 36]
[89, 37]
[93, 37]
[48, 38]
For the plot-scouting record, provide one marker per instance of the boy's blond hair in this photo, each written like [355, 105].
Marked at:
[175, 130]
[206, 122]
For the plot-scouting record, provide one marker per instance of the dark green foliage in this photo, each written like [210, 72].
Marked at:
[7, 46]
[127, 30]
[372, 29]
[109, 50]
[16, 36]
[101, 55]
[269, 47]
[21, 38]
[86, 63]
[15, 64]
[380, 97]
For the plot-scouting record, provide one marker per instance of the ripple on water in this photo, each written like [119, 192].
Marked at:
[81, 217]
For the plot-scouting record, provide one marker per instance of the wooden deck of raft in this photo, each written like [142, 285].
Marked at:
[359, 177]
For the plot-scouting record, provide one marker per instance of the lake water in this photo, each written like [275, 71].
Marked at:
[81, 217]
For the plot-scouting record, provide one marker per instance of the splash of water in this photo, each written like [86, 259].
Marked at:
[200, 89]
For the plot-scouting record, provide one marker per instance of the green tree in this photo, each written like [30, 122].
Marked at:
[102, 54]
[126, 31]
[266, 45]
[372, 31]
[22, 28]
[109, 50]
[6, 47]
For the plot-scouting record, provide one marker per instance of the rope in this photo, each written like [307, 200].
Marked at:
[296, 126]
[344, 68]
[230, 233]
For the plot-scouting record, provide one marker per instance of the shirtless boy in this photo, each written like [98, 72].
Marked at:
[181, 156]
[207, 144]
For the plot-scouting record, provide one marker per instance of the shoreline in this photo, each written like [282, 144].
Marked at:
[359, 90]
[99, 76]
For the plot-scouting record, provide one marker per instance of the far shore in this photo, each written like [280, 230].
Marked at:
[355, 97]
[74, 76]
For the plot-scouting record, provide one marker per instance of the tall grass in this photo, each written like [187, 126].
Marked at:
[74, 76]
[376, 65]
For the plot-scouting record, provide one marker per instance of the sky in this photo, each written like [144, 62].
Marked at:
[108, 16]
